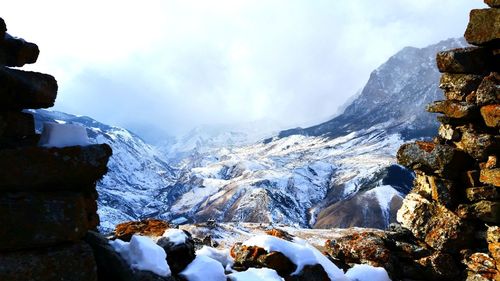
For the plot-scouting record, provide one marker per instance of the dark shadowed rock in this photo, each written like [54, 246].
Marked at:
[484, 27]
[440, 266]
[40, 168]
[470, 60]
[16, 124]
[433, 223]
[478, 145]
[90, 201]
[435, 188]
[491, 115]
[454, 109]
[3, 29]
[471, 178]
[40, 219]
[24, 89]
[147, 227]
[179, 256]
[17, 52]
[432, 158]
[487, 211]
[458, 86]
[475, 194]
[253, 256]
[488, 91]
[73, 262]
[111, 266]
[314, 272]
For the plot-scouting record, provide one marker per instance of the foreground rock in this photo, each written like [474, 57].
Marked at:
[483, 28]
[73, 262]
[111, 266]
[24, 89]
[39, 168]
[396, 251]
[55, 218]
[17, 52]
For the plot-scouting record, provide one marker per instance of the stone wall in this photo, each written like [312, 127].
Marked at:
[450, 220]
[454, 207]
[47, 195]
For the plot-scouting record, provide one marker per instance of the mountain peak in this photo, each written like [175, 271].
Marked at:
[395, 95]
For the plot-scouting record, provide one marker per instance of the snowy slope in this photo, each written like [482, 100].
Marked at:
[136, 173]
[339, 173]
[292, 180]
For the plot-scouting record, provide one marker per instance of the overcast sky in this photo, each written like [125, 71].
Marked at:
[172, 65]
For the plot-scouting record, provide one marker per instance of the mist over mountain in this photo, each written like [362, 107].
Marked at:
[395, 94]
[339, 173]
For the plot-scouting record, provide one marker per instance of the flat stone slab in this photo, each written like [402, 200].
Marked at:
[40, 219]
[483, 27]
[432, 158]
[42, 169]
[454, 109]
[24, 89]
[470, 60]
[73, 262]
[17, 52]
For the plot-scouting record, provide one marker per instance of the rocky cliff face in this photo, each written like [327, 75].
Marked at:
[395, 95]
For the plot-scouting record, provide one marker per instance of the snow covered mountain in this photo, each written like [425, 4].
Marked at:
[136, 173]
[339, 173]
[396, 94]
[205, 138]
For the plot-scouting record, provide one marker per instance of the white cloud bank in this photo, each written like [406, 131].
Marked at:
[178, 64]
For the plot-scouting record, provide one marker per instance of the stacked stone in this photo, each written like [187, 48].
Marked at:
[47, 195]
[454, 206]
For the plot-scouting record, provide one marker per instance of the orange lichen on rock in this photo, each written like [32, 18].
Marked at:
[148, 227]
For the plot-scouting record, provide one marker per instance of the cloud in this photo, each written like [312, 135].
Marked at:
[174, 65]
